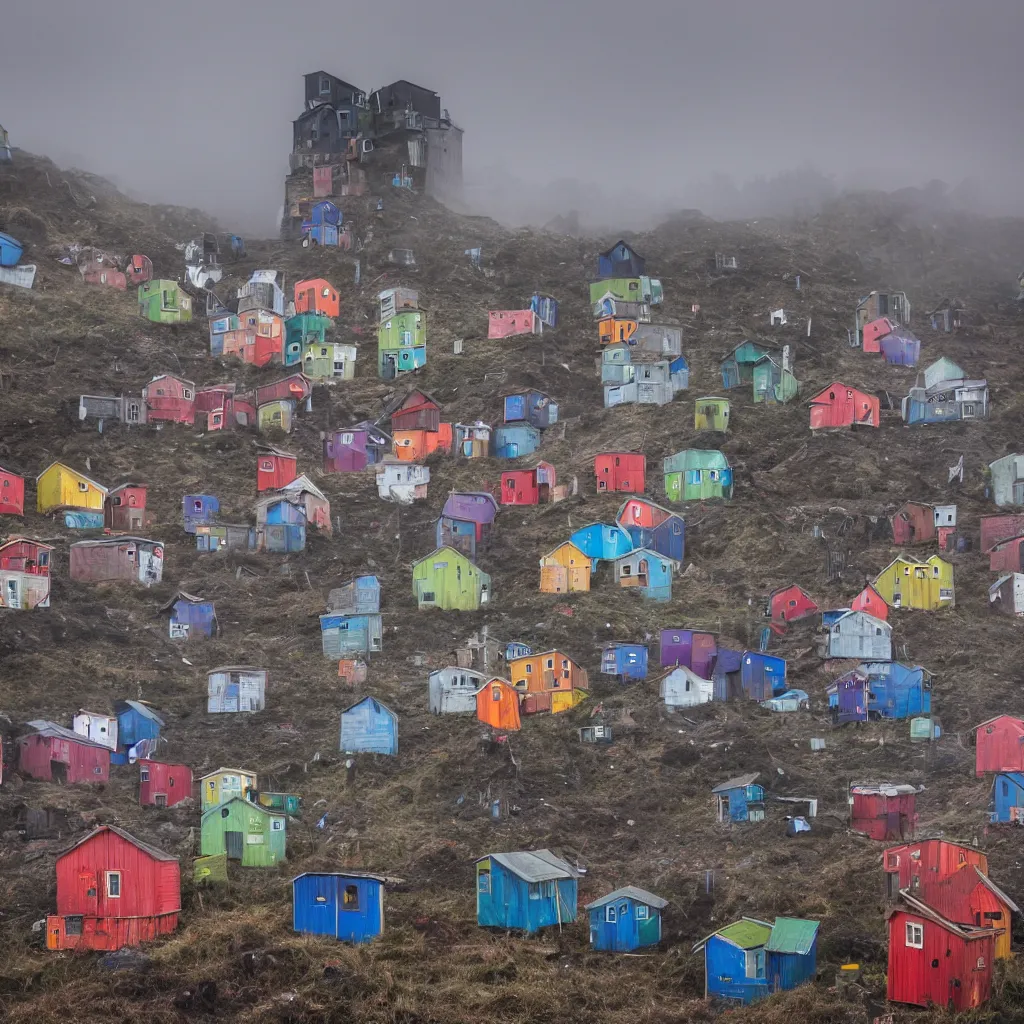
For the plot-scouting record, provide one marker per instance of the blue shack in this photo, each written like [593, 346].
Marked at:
[621, 260]
[726, 676]
[323, 223]
[529, 890]
[531, 406]
[626, 919]
[1007, 798]
[199, 508]
[762, 675]
[348, 906]
[514, 439]
[280, 526]
[546, 308]
[190, 616]
[600, 541]
[735, 961]
[750, 959]
[896, 690]
[517, 649]
[368, 727]
[833, 615]
[135, 721]
[626, 661]
[460, 534]
[667, 536]
[647, 572]
[791, 953]
[359, 595]
[10, 250]
[342, 635]
[740, 799]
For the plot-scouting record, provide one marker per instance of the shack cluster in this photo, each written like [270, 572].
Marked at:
[114, 890]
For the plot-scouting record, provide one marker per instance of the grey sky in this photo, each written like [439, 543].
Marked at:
[192, 103]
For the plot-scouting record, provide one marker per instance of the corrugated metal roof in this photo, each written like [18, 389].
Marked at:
[142, 709]
[996, 890]
[51, 729]
[740, 782]
[630, 892]
[792, 935]
[534, 865]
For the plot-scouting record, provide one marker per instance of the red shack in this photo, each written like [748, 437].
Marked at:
[139, 270]
[12, 493]
[883, 811]
[620, 471]
[163, 785]
[113, 891]
[1006, 555]
[873, 332]
[839, 406]
[913, 523]
[296, 386]
[918, 866]
[125, 508]
[55, 754]
[787, 604]
[414, 411]
[871, 601]
[933, 961]
[999, 745]
[274, 468]
[317, 296]
[997, 528]
[528, 486]
[170, 399]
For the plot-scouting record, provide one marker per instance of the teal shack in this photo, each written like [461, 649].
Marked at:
[738, 365]
[626, 919]
[302, 330]
[774, 384]
[349, 907]
[527, 891]
[245, 832]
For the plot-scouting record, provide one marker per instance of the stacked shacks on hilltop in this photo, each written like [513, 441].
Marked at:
[401, 333]
[346, 143]
[640, 362]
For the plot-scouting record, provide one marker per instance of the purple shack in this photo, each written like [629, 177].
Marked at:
[479, 507]
[355, 448]
[900, 347]
[690, 648]
[848, 697]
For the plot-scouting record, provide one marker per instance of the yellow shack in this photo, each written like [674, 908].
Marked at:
[564, 569]
[907, 582]
[60, 486]
[223, 785]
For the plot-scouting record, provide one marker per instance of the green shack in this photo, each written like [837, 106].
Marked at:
[302, 330]
[401, 343]
[164, 302]
[448, 580]
[627, 289]
[772, 383]
[247, 833]
[738, 365]
[697, 474]
[711, 414]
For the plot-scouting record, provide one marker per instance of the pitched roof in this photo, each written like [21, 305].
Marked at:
[51, 729]
[269, 449]
[740, 782]
[534, 865]
[220, 771]
[792, 935]
[630, 892]
[916, 906]
[182, 595]
[241, 800]
[151, 851]
[836, 384]
[138, 706]
[64, 465]
[26, 540]
[989, 721]
[303, 483]
[747, 933]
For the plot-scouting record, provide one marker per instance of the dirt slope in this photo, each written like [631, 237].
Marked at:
[637, 812]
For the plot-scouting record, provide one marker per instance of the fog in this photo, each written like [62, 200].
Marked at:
[620, 111]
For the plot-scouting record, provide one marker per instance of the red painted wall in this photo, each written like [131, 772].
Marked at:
[619, 471]
[840, 406]
[913, 979]
[791, 604]
[12, 494]
[999, 746]
[174, 781]
[519, 487]
[83, 763]
[884, 817]
[936, 861]
[274, 471]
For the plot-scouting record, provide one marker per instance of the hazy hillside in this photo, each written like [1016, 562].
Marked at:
[637, 812]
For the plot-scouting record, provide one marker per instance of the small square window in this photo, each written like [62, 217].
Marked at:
[915, 935]
[641, 913]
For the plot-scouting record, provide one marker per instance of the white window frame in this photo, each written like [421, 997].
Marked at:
[610, 914]
[107, 877]
[642, 912]
[914, 936]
